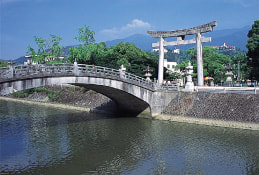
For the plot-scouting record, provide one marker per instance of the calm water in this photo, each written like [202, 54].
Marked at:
[41, 140]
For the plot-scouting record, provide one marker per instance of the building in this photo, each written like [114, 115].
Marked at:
[157, 50]
[224, 47]
[177, 51]
[171, 66]
[47, 59]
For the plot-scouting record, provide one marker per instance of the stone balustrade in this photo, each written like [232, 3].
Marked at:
[22, 72]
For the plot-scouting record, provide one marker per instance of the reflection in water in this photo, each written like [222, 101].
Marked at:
[41, 140]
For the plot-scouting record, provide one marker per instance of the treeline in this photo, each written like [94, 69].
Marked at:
[136, 60]
[215, 63]
[88, 52]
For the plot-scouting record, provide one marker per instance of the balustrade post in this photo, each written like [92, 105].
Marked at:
[122, 72]
[75, 69]
[11, 70]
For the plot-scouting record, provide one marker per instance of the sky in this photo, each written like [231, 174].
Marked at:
[21, 20]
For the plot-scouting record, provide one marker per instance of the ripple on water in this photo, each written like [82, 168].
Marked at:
[40, 140]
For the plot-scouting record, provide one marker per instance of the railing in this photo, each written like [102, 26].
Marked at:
[48, 70]
[169, 87]
[229, 89]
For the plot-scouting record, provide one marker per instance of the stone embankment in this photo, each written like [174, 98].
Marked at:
[69, 96]
[225, 109]
[217, 109]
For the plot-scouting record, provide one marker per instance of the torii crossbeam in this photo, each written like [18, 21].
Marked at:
[180, 34]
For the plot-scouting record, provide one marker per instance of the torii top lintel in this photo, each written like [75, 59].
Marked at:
[191, 31]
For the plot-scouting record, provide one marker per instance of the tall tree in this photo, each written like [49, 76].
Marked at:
[85, 35]
[56, 49]
[253, 50]
[47, 49]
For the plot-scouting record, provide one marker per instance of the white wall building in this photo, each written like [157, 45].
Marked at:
[171, 66]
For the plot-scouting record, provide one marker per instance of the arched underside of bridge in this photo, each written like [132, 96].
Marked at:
[128, 97]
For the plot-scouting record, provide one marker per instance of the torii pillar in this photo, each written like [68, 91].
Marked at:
[180, 34]
[199, 60]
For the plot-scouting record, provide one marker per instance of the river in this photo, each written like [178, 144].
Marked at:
[46, 140]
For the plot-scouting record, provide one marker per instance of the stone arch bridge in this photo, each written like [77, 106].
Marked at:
[131, 93]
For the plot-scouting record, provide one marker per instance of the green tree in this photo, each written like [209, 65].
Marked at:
[83, 53]
[85, 35]
[213, 63]
[135, 59]
[40, 54]
[253, 50]
[3, 63]
[56, 49]
[240, 63]
[47, 49]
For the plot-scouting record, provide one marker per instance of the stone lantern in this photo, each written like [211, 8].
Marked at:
[229, 75]
[189, 86]
[122, 71]
[148, 73]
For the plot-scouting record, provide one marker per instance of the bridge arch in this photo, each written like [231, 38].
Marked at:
[128, 97]
[131, 93]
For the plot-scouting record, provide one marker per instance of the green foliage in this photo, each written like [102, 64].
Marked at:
[3, 63]
[47, 49]
[253, 50]
[214, 63]
[85, 35]
[134, 59]
[53, 95]
[240, 61]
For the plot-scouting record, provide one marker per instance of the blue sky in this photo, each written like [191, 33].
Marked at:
[20, 20]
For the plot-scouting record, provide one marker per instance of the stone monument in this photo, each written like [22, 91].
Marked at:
[148, 73]
[229, 75]
[180, 34]
[189, 86]
[122, 71]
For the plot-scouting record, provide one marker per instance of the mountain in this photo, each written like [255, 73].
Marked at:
[20, 60]
[142, 41]
[232, 37]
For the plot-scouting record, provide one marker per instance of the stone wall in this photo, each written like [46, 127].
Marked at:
[217, 106]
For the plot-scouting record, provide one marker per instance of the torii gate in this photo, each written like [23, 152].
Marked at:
[180, 34]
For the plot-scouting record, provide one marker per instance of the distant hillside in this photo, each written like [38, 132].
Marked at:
[20, 60]
[144, 42]
[233, 37]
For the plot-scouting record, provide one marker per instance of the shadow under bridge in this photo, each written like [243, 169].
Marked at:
[126, 103]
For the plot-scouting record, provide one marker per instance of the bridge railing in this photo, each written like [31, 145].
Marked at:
[169, 87]
[29, 71]
[113, 74]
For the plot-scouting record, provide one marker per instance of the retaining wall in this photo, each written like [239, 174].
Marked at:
[216, 106]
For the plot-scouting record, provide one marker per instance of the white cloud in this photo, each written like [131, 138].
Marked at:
[135, 27]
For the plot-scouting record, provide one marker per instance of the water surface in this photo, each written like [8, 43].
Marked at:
[44, 140]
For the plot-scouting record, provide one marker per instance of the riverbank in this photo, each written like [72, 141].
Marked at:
[214, 109]
[171, 118]
[47, 104]
[209, 122]
[68, 97]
